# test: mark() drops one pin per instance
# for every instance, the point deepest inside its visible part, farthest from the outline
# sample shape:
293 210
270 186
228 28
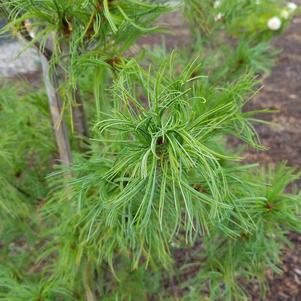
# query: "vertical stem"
87 281
79 120
78 113
55 105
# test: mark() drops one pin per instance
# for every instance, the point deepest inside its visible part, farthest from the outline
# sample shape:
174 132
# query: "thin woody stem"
79 120
78 113
46 52
55 105
54 100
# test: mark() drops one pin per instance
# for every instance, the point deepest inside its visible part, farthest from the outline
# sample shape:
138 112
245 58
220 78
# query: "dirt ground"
282 92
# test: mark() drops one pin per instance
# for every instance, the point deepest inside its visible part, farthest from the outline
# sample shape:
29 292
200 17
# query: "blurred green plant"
237 35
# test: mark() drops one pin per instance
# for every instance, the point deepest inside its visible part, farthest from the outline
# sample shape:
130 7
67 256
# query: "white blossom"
217 3
218 16
292 6
274 23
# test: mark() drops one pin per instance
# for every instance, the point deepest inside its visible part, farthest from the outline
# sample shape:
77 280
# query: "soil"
281 92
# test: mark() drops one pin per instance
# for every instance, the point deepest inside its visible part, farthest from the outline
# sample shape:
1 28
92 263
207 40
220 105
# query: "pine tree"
149 170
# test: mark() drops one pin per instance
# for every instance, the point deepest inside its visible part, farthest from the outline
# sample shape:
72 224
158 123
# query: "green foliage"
85 34
235 37
25 144
27 150
243 19
25 158
226 261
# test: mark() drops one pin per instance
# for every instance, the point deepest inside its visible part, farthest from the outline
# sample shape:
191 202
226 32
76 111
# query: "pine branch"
46 52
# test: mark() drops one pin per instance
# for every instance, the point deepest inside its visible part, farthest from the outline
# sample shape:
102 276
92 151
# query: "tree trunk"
58 123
